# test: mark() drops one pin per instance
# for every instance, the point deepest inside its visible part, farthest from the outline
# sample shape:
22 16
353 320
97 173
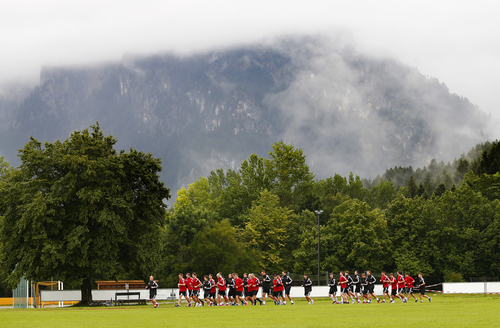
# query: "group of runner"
362 287
235 291
243 290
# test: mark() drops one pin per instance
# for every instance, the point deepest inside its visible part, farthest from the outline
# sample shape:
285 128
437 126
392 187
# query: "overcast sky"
455 41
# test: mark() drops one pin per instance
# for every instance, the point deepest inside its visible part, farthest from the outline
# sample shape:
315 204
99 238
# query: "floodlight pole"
318 213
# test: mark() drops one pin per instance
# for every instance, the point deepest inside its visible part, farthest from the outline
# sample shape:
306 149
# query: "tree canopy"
77 209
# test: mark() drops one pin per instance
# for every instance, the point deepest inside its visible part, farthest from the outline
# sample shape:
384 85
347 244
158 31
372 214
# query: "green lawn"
443 311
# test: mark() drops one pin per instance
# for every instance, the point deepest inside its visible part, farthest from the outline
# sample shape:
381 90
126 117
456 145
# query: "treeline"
262 217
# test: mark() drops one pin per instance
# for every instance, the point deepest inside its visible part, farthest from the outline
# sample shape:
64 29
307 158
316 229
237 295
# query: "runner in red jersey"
213 290
385 285
196 284
394 287
189 288
401 287
255 285
409 287
238 284
343 287
221 284
182 290
278 290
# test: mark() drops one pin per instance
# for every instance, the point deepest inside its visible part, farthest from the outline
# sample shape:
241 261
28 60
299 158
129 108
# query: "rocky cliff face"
200 112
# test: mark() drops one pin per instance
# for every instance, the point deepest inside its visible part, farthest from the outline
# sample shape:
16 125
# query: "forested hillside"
348 111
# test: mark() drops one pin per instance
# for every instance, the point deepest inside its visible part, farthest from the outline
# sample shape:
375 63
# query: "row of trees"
78 210
266 209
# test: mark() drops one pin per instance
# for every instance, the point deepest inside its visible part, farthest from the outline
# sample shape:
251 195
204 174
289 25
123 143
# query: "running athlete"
401 286
371 286
385 285
307 284
196 283
206 290
357 285
343 287
182 290
266 287
189 286
152 286
239 286
287 283
213 289
332 293
245 286
364 288
232 289
394 287
249 295
409 287
277 293
255 284
221 295
421 288
350 285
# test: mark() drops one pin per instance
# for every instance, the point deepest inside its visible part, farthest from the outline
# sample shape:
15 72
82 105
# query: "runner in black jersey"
266 287
356 286
207 286
332 293
421 288
152 286
371 286
307 284
350 286
287 283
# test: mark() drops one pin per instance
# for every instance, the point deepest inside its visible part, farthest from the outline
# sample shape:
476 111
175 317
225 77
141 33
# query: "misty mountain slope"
347 111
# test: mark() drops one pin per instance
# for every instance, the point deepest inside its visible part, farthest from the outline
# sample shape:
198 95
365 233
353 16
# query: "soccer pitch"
443 311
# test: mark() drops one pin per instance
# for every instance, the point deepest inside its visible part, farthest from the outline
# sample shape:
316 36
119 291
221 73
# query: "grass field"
443 311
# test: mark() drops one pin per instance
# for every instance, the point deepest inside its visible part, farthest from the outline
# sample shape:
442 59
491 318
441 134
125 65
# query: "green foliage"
265 230
453 277
216 248
76 208
489 162
355 237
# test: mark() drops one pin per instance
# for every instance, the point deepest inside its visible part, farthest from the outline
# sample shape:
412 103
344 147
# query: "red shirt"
189 283
255 284
385 282
277 285
250 283
196 283
182 285
343 282
409 281
401 281
212 283
222 284
394 282
239 284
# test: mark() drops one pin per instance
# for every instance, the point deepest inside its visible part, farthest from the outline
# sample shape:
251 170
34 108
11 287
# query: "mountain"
348 111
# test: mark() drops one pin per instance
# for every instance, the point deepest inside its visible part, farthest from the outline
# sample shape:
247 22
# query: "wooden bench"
121 301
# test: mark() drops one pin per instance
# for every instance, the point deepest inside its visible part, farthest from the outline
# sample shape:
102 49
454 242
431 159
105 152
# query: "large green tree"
265 230
77 208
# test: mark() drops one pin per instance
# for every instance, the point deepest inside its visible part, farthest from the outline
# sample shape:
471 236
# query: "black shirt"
371 280
266 281
421 282
307 283
230 283
152 286
333 283
207 285
286 280
357 281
